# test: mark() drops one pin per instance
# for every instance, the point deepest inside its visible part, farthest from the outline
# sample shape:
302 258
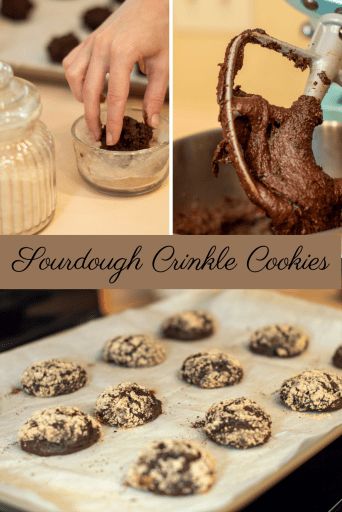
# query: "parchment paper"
23 43
91 480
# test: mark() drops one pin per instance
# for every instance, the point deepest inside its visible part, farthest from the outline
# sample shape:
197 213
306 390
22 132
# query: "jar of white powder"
27 160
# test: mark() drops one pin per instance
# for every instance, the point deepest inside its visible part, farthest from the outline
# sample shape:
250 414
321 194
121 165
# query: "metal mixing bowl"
194 184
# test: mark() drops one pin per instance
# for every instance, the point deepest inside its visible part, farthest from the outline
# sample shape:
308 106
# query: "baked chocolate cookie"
279 340
211 370
189 326
17 10
337 357
134 136
58 431
53 377
173 468
136 351
59 47
313 390
239 423
127 405
94 17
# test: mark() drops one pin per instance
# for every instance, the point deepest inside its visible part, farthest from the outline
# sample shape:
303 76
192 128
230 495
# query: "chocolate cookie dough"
173 468
313 390
239 423
279 340
127 405
53 377
59 47
134 136
283 176
58 431
93 18
211 370
188 326
337 357
230 217
136 351
17 10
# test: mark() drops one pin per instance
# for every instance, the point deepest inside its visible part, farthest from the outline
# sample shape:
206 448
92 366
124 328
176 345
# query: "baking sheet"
23 43
92 479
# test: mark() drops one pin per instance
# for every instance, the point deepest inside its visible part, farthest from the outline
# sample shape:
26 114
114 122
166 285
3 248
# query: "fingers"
118 91
155 92
75 68
92 92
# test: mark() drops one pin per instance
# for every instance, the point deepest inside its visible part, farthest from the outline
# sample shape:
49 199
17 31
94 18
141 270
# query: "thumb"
158 76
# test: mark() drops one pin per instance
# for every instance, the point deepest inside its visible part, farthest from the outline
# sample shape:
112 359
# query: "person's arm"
138 32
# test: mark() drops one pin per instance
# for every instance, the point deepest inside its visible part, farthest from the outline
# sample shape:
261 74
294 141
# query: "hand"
135 33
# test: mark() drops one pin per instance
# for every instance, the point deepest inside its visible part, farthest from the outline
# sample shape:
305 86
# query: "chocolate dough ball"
211 370
279 341
239 423
127 405
94 17
188 326
173 468
337 357
59 47
134 136
58 431
313 390
53 377
137 351
16 9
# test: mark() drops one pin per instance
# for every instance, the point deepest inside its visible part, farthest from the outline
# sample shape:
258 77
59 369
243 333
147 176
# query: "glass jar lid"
19 100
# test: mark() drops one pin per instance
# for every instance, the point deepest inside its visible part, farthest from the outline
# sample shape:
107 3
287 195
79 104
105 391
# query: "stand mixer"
319 10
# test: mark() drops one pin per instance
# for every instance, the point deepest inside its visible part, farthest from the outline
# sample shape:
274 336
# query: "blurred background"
202 31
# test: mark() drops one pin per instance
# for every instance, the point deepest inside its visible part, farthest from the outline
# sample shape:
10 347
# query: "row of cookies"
240 423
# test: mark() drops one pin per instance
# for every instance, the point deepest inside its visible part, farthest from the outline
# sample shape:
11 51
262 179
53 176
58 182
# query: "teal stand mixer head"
315 9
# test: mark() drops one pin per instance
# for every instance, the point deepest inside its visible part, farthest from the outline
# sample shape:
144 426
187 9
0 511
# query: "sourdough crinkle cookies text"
173 468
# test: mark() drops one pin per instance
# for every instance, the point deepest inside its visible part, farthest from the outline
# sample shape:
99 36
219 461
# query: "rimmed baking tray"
93 478
23 43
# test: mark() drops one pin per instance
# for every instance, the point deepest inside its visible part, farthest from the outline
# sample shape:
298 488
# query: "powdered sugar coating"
53 377
58 430
313 390
173 468
279 340
188 326
239 423
137 351
127 405
211 370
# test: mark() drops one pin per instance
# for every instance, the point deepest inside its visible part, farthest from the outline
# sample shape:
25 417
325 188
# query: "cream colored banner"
170 262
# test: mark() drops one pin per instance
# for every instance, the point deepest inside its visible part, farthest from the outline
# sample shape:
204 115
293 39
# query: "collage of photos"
174 118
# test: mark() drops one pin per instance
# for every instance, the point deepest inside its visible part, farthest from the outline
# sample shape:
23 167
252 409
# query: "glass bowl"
123 173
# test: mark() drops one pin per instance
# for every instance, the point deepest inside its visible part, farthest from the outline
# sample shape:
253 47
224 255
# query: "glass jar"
27 159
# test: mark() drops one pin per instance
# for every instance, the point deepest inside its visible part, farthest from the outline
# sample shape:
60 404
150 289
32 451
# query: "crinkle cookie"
211 370
337 357
173 468
239 423
279 341
188 326
137 351
58 431
313 390
53 377
127 405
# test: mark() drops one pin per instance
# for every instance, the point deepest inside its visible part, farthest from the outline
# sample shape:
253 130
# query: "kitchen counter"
81 209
